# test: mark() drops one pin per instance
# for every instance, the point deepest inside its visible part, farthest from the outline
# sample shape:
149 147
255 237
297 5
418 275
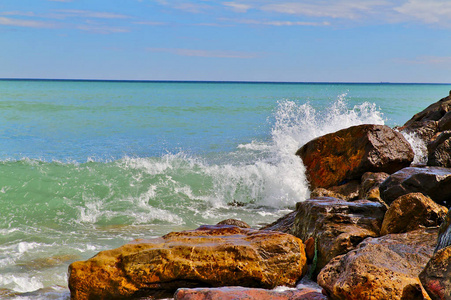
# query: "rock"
434 182
322 192
410 212
350 190
370 183
234 222
241 293
439 151
336 225
209 256
436 276
444 233
283 224
427 122
445 122
380 268
336 158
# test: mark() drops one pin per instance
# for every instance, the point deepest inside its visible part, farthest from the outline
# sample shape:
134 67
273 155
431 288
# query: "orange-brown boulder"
381 268
410 212
436 276
345 155
209 256
241 293
337 226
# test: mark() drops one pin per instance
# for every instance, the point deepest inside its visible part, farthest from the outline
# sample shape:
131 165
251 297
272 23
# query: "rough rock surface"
370 183
234 222
439 151
444 233
336 158
436 276
240 293
336 225
381 268
428 122
209 256
283 224
434 182
410 212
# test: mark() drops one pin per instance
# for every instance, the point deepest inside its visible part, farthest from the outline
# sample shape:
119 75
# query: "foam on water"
418 146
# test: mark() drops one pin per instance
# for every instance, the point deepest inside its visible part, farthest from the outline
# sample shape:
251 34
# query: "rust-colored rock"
208 256
241 293
436 276
336 225
350 190
234 222
434 182
440 150
410 212
444 233
370 185
322 192
381 268
336 158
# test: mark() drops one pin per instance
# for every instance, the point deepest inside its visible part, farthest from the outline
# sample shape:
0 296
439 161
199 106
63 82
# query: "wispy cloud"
102 29
238 7
25 23
205 53
431 11
346 9
64 13
150 23
276 22
185 6
60 0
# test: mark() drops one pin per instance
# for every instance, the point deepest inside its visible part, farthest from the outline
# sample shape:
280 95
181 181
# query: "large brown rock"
283 224
410 212
336 225
209 256
440 150
444 233
436 276
434 182
241 293
345 155
381 268
428 122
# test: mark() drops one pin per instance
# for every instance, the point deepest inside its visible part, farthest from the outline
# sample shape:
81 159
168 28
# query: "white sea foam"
20 283
419 148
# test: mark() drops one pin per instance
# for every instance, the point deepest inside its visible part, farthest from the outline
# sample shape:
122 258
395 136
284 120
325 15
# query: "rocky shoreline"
375 227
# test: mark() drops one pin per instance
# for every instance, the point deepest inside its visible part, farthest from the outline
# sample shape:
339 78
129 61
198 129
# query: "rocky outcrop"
240 293
234 222
436 276
434 182
381 268
336 225
283 224
444 233
410 212
370 183
430 121
336 158
210 256
439 150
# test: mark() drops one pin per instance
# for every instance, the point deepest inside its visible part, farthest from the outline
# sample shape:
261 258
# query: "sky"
248 40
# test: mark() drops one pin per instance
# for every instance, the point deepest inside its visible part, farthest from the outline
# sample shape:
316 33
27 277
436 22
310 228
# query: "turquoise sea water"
87 166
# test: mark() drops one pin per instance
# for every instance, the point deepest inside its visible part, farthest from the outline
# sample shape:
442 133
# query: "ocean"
87 166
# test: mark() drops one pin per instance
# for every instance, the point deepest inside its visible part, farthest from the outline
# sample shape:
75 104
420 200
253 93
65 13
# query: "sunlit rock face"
209 256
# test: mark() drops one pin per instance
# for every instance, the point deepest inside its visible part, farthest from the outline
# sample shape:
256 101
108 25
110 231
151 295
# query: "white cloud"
238 7
185 5
205 53
89 14
277 22
102 29
25 23
431 11
346 9
150 23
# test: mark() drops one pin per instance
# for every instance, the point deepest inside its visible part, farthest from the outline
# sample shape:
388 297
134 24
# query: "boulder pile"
375 227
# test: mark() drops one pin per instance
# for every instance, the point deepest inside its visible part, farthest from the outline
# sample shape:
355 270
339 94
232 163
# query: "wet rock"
345 155
369 188
436 276
241 293
283 224
434 182
429 121
410 212
336 225
444 234
440 151
349 190
380 268
234 222
209 256
322 192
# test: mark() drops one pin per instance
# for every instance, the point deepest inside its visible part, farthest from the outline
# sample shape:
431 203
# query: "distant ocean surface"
87 166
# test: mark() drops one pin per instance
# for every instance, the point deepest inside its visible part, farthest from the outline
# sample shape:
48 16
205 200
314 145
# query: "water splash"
418 146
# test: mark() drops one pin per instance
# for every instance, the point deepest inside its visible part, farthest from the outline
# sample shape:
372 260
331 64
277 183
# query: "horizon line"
218 81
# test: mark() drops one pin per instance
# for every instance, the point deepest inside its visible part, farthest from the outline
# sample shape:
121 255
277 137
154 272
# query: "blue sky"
249 40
